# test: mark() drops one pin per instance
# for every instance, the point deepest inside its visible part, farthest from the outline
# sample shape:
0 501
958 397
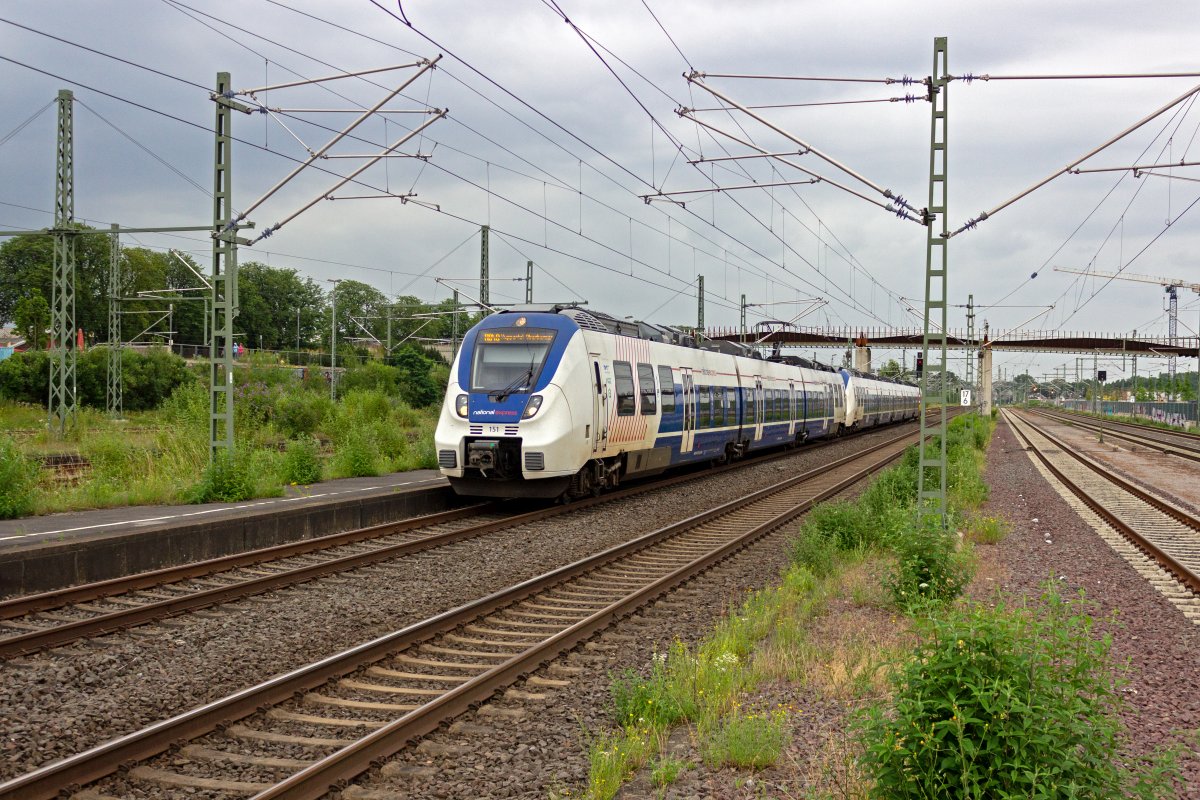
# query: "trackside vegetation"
289 432
954 699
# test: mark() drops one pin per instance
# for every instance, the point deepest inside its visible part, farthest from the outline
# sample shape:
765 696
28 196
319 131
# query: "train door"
689 413
600 395
791 407
758 409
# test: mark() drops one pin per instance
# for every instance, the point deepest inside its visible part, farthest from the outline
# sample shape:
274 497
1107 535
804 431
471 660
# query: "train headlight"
531 408
461 405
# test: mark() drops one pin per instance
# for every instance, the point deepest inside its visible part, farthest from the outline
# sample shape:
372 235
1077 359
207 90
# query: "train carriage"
552 401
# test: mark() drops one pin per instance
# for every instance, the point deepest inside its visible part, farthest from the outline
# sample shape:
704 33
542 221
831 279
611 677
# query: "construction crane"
1172 286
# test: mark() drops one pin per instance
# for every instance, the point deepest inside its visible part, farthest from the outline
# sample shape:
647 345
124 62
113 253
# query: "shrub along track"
35 622
405 684
1166 533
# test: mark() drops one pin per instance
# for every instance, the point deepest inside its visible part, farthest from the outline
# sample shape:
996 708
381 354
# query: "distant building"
10 342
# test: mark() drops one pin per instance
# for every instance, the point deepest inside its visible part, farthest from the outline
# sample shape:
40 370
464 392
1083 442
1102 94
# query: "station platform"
48 552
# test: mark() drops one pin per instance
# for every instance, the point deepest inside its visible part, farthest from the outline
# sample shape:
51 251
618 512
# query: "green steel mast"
931 474
62 293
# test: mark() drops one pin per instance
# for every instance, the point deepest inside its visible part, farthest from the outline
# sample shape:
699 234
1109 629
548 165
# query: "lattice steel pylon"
931 474
115 388
62 292
224 274
971 346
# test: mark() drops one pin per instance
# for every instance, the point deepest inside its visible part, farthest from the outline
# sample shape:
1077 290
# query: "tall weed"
18 480
1007 703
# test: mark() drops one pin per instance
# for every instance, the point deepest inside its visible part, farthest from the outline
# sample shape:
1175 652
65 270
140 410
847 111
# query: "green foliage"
647 702
301 463
271 300
373 376
354 456
301 412
929 568
987 530
228 479
613 758
31 317
1006 703
666 770
753 740
188 406
18 481
25 378
149 377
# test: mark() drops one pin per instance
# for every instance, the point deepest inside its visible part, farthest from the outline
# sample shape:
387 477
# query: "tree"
32 318
890 370
27 265
356 300
270 300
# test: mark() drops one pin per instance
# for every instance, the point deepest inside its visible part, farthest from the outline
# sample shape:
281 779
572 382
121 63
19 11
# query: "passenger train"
561 402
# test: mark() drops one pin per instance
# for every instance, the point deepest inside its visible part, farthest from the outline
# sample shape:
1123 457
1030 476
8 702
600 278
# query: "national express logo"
493 412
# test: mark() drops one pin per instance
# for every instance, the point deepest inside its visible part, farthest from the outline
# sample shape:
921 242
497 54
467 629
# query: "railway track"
299 734
50 619
1162 531
1178 443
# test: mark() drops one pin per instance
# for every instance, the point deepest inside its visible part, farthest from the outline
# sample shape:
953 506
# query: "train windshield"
508 360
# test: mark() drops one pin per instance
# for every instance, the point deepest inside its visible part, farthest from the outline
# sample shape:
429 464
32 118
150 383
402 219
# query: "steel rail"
1179 443
104 759
32 641
1181 571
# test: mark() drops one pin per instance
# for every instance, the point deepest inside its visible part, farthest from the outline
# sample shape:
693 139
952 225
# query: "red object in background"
79 339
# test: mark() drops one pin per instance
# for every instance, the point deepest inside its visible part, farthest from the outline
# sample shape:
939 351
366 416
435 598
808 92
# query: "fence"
1172 413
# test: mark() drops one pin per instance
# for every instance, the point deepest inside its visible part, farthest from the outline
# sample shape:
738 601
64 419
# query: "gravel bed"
543 754
57 703
1160 644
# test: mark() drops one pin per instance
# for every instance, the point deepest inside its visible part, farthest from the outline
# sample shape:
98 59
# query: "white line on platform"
150 520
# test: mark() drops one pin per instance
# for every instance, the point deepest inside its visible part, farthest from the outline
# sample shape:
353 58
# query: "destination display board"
516 336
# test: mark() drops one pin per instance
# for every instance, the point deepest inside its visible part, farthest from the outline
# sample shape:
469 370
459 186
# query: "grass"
858 555
162 456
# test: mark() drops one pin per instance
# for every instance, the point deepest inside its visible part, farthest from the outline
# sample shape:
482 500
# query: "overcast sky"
553 138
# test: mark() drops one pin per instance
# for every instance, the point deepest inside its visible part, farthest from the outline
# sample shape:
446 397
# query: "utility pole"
529 282
454 329
224 273
971 344
931 470
700 306
114 394
484 279
333 340
743 319
62 293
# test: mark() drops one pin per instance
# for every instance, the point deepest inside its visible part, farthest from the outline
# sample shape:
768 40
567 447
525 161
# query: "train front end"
506 427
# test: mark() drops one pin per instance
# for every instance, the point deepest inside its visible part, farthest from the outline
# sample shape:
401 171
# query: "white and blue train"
558 401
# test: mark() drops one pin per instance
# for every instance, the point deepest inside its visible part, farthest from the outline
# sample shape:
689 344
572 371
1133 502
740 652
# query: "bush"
355 456
188 406
301 464
1006 703
228 479
148 377
18 481
301 413
372 376
929 568
25 378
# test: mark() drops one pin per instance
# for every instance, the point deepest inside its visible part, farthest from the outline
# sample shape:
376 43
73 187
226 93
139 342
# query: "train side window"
718 407
704 417
626 402
646 384
666 386
732 401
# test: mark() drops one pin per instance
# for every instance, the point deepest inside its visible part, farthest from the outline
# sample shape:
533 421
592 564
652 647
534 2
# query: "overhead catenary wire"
970 224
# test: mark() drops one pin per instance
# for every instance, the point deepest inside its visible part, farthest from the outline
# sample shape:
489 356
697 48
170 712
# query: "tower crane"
1172 286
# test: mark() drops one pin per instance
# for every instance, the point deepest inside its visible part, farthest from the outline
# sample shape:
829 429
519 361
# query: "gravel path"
65 700
542 753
